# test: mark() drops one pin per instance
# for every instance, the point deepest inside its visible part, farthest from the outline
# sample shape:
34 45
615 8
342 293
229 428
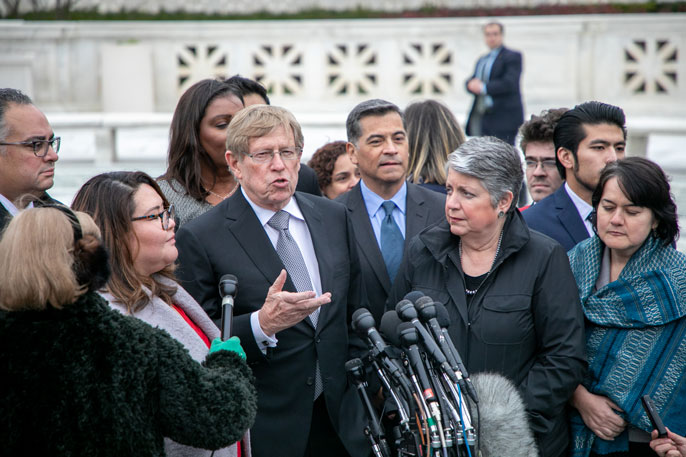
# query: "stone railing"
110 87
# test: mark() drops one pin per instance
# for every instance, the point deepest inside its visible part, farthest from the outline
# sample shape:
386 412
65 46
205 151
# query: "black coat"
525 321
89 381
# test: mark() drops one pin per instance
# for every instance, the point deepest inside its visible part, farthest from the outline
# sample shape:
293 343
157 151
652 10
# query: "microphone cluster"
423 378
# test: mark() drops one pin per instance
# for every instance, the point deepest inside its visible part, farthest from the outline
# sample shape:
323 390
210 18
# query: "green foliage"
66 12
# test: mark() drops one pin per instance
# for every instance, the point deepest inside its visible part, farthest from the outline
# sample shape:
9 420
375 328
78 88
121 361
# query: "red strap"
200 333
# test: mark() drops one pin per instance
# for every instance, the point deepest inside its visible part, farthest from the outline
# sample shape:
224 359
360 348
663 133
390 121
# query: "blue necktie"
392 241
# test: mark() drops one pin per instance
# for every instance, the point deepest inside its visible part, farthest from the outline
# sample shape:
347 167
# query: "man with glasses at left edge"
28 152
298 284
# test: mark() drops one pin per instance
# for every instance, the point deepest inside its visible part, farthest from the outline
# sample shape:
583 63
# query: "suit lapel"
315 225
246 228
366 238
569 216
416 214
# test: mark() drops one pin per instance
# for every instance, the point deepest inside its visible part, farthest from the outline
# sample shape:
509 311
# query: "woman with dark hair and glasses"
137 225
197 176
632 286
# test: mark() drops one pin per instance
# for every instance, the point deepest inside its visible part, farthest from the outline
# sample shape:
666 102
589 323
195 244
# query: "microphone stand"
373 430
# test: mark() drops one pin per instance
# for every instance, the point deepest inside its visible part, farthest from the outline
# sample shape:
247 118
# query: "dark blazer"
507 113
5 215
307 181
230 239
424 207
557 217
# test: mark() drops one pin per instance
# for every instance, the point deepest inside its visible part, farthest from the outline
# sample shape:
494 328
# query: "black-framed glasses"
164 217
268 155
547 164
40 147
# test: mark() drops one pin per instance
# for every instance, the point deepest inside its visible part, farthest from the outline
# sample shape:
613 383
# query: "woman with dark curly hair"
82 379
632 285
335 171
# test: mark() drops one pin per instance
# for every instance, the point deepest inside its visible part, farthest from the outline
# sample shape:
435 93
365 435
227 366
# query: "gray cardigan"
159 314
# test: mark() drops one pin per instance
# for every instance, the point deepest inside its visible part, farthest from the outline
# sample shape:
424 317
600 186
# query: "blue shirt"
376 212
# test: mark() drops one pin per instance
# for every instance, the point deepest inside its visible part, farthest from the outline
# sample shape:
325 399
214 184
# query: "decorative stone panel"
279 68
651 66
198 61
427 69
351 69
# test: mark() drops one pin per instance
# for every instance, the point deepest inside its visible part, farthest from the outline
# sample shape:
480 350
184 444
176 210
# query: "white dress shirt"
377 214
583 208
301 234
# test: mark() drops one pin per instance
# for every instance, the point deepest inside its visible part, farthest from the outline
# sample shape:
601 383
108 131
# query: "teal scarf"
635 338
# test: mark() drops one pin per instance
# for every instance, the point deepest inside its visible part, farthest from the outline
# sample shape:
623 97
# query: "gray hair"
373 107
493 162
8 96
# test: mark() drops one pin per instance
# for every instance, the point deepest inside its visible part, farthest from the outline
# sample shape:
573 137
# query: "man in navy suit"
377 144
497 109
298 284
586 138
28 152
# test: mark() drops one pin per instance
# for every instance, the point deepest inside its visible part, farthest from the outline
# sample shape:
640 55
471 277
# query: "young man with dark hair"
586 138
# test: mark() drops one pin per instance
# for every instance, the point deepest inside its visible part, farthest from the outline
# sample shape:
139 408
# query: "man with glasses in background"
542 176
28 152
298 284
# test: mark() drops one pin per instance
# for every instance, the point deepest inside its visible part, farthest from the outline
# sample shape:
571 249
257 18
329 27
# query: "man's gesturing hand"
283 309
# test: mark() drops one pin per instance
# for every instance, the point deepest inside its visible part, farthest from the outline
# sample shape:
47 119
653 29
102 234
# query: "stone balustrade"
109 87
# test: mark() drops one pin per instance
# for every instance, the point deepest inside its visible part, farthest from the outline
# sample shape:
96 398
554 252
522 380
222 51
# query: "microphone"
228 287
443 321
408 313
363 323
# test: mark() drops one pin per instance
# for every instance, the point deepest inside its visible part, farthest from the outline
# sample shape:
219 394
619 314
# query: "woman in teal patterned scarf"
632 285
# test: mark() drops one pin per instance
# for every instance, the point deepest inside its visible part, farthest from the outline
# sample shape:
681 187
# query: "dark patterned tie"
293 260
392 241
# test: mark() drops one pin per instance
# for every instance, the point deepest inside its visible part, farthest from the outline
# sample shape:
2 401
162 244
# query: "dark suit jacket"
5 215
230 239
557 217
424 207
307 181
507 113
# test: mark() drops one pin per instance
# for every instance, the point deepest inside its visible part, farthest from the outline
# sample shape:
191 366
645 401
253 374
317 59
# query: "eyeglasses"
547 164
267 156
164 217
40 147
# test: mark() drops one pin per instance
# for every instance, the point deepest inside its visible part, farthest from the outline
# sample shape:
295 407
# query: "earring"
500 214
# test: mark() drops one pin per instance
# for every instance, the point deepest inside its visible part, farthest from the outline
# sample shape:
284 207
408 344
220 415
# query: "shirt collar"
373 202
10 207
264 214
582 207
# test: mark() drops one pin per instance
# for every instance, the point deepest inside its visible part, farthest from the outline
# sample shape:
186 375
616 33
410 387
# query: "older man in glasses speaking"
298 283
28 152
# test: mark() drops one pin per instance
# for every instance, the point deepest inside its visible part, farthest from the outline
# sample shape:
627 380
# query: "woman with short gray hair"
509 291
